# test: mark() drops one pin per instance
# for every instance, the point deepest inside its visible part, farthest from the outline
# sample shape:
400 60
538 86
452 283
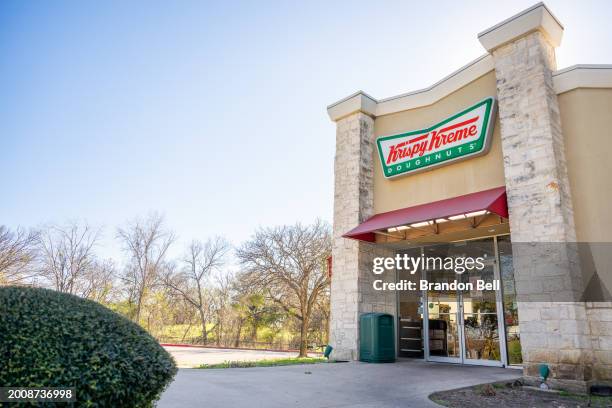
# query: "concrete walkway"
404 384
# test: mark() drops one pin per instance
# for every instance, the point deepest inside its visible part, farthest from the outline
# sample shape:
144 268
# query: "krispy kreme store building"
505 162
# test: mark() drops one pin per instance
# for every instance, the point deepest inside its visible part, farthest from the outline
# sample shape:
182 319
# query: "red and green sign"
461 136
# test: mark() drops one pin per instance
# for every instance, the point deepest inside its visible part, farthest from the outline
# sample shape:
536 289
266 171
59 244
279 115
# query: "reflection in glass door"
443 321
464 326
480 319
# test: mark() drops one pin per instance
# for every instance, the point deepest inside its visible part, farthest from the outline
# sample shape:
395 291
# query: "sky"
214 113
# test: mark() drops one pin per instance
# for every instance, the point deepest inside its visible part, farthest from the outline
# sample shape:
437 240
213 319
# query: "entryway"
465 326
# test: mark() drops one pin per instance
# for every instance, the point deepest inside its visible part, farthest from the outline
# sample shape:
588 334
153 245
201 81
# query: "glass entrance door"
480 320
443 321
464 326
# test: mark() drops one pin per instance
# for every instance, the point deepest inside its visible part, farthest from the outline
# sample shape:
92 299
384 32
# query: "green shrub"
52 339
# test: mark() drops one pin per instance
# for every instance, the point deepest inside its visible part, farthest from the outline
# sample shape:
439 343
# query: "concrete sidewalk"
407 383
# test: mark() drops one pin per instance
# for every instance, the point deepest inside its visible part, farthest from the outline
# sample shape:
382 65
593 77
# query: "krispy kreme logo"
461 136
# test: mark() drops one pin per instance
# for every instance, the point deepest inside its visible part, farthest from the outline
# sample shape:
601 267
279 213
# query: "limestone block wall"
554 328
599 315
371 300
351 287
353 202
532 142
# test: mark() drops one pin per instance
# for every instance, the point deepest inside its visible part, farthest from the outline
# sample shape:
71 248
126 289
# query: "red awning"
493 200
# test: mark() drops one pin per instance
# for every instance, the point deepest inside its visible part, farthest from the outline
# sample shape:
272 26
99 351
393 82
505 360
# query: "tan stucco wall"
453 180
586 118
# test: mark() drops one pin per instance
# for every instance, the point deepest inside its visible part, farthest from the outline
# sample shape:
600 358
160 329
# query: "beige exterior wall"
587 130
586 117
468 176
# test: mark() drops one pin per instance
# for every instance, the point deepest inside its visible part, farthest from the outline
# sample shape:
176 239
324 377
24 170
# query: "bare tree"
17 252
223 293
289 264
191 282
146 242
66 254
98 281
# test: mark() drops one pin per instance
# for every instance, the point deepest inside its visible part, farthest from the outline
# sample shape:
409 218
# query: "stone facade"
599 315
532 142
351 288
553 323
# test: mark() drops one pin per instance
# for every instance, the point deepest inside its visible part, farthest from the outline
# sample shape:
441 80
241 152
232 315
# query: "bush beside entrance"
52 339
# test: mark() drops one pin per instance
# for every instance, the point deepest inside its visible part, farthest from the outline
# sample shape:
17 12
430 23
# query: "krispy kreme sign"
459 137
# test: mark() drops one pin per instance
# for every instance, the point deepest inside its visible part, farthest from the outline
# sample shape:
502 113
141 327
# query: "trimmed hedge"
52 339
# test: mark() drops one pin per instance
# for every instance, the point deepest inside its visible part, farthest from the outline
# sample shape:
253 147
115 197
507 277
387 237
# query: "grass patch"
266 363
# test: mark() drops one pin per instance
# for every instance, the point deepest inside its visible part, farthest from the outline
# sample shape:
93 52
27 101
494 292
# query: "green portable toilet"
376 338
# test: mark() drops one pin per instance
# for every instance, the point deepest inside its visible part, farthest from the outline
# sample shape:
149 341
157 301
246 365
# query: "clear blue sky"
214 113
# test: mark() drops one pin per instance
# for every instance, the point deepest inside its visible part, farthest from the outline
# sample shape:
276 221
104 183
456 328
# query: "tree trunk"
304 337
138 308
186 331
238 334
141 295
204 332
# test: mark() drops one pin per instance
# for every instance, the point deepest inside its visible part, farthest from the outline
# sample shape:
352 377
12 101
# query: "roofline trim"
564 80
582 76
361 101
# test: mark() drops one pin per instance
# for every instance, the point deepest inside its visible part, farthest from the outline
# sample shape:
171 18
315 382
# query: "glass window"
511 318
